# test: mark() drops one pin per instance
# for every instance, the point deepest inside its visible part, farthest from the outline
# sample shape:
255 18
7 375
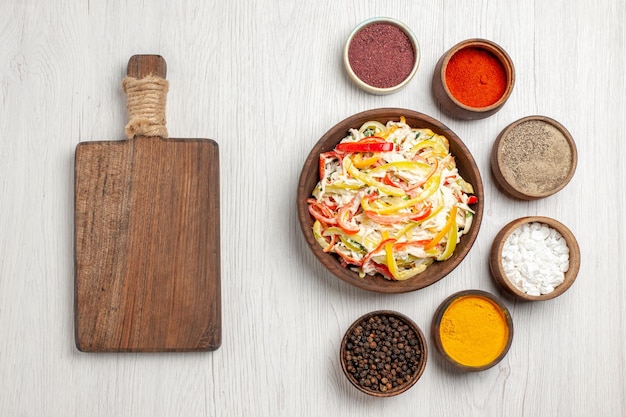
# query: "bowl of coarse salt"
535 258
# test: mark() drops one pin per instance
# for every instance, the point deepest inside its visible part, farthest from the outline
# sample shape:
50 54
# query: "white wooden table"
265 80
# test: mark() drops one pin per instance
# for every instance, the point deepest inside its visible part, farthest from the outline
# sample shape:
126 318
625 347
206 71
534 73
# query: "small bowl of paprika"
473 79
381 55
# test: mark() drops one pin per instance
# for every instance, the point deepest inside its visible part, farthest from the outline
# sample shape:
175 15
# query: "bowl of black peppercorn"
383 353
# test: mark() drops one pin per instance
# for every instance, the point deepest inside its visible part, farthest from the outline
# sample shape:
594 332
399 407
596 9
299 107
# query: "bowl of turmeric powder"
473 79
472 330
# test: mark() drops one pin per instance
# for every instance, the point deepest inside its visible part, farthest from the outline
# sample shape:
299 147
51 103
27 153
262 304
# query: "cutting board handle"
146 92
141 66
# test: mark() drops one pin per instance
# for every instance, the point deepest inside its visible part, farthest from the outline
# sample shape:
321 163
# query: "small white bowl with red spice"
381 55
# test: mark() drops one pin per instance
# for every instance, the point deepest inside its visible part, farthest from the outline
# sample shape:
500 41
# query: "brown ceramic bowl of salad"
390 200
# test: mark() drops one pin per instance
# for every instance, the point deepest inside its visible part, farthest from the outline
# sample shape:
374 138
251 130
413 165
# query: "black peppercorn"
383 353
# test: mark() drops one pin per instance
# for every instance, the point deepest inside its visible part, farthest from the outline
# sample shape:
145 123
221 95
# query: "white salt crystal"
535 258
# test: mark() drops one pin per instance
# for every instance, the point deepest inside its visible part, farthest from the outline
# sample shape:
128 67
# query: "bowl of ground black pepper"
383 353
533 157
381 55
473 79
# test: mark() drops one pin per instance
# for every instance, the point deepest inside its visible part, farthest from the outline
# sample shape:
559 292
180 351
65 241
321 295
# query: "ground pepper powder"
536 157
476 77
473 331
381 55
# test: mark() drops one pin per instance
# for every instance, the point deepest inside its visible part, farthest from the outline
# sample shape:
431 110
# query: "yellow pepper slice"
444 231
402 165
366 242
374 125
385 133
317 233
453 234
361 162
410 273
413 223
338 187
349 167
391 261
429 189
437 147
392 265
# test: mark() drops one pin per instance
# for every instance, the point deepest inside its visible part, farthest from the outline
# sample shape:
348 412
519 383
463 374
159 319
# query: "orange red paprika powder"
475 77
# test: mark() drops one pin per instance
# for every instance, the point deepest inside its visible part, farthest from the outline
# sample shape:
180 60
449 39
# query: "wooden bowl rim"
370 88
436 326
496 154
499 53
377 283
420 335
495 258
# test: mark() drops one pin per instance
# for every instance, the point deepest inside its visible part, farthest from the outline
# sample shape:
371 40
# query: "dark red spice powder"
381 55
476 77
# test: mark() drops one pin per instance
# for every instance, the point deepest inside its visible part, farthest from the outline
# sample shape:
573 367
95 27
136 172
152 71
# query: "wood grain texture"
147 241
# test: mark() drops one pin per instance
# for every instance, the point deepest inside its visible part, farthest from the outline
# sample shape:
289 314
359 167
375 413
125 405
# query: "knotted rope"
145 102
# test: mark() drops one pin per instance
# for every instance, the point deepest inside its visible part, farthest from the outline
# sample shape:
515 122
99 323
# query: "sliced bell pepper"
404 245
365 242
347 258
444 231
385 133
369 144
402 165
437 147
399 218
346 213
410 273
429 189
351 244
381 246
322 213
472 199
382 270
324 156
326 245
390 259
349 167
452 237
371 128
362 162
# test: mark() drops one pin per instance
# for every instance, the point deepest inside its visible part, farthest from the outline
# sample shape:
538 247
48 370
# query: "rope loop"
145 102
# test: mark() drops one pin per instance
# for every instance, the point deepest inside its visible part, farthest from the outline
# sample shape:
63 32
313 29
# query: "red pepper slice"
369 144
346 213
390 219
323 157
333 240
383 270
404 245
348 259
380 246
472 199
322 212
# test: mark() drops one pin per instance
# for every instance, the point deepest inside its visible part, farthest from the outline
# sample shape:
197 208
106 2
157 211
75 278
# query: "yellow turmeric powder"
473 331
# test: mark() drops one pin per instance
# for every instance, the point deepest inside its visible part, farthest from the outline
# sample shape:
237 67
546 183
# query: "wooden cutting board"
147 238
